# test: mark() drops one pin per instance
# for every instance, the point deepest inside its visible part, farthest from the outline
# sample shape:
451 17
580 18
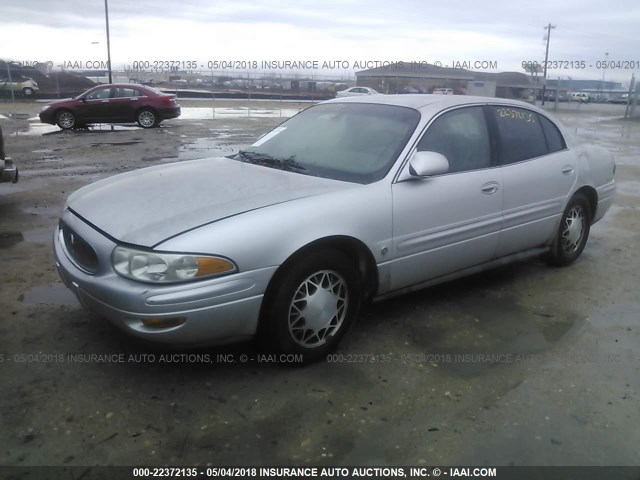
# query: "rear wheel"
573 232
147 118
312 305
65 119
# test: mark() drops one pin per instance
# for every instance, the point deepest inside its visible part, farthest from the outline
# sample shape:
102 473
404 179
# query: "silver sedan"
351 200
356 91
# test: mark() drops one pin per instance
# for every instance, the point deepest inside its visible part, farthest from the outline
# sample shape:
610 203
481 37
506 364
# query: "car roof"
420 101
120 85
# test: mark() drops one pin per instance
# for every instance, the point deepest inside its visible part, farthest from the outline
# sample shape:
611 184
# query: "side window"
101 93
520 133
555 141
125 92
461 136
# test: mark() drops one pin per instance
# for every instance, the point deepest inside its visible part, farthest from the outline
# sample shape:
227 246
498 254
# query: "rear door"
448 222
124 103
538 173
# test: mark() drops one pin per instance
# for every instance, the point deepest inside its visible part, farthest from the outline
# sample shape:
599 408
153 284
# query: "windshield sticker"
269 136
516 114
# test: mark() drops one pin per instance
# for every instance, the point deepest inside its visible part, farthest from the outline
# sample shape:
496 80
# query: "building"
407 77
597 89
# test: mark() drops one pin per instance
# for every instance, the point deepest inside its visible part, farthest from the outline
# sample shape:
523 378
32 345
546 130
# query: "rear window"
555 141
520 134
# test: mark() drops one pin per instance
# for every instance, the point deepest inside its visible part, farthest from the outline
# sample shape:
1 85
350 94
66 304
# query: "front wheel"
27 92
573 232
147 118
312 305
65 120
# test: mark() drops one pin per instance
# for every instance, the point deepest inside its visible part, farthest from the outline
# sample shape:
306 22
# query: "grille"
79 249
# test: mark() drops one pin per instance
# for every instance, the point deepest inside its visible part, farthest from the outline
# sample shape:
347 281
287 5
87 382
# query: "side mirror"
83 99
427 164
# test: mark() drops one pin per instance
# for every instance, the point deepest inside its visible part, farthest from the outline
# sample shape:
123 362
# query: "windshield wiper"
267 160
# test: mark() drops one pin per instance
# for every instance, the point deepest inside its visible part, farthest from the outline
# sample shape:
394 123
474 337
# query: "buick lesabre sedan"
350 200
112 103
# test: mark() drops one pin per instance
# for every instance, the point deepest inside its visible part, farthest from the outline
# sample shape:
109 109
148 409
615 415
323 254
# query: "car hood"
147 206
62 101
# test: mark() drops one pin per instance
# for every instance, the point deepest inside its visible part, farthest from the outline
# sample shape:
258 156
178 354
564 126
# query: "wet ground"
524 365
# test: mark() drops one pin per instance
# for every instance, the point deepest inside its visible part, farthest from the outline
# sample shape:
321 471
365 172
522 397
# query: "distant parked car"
443 91
581 97
410 90
350 200
114 103
19 84
551 97
356 91
8 171
622 99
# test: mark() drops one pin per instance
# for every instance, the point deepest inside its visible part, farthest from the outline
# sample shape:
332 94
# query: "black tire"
27 92
147 118
65 119
573 232
286 326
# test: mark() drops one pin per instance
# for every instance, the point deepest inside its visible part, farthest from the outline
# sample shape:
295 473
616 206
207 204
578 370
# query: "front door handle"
490 188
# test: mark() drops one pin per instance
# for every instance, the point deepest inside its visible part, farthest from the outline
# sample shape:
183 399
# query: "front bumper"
8 171
220 310
46 116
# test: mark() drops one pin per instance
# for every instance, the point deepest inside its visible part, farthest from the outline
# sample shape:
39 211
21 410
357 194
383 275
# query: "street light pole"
106 16
548 28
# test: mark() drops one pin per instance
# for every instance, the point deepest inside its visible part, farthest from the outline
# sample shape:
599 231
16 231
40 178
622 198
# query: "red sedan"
114 103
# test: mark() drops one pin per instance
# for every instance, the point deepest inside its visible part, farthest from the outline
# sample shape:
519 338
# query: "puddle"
67 171
38 235
198 149
50 295
35 235
36 128
203 113
100 144
9 239
628 188
205 147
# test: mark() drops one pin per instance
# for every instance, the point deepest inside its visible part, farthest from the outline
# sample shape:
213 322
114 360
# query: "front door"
451 221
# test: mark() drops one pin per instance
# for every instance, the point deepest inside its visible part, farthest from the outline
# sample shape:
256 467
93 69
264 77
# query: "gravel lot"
524 365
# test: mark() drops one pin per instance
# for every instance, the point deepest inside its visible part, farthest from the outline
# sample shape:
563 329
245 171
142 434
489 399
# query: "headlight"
47 107
147 266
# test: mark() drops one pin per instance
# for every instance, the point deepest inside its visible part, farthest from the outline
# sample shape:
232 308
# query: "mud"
524 365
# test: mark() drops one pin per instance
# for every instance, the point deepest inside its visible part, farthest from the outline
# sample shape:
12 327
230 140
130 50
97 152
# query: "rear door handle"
490 188
568 169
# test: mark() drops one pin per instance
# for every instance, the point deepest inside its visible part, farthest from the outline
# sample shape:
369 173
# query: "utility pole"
548 28
106 16
604 71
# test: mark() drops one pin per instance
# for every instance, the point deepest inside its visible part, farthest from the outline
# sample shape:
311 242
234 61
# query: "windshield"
355 142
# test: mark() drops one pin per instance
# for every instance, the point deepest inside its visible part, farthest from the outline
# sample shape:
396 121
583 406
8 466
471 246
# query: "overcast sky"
504 31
